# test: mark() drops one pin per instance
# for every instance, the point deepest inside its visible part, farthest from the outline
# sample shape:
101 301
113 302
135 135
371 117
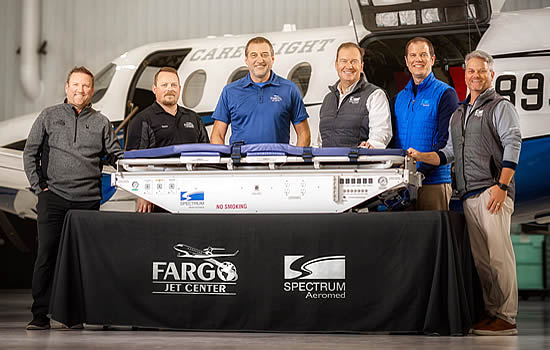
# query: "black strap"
236 151
353 154
307 154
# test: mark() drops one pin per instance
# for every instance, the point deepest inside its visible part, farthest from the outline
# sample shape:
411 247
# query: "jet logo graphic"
192 196
185 251
226 270
326 268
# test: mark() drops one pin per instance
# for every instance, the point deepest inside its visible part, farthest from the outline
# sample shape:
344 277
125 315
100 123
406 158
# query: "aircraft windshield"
102 80
379 15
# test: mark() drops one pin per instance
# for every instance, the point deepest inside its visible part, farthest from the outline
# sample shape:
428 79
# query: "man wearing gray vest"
354 112
485 142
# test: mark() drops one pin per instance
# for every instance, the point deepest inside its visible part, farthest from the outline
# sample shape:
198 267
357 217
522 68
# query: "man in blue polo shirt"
260 106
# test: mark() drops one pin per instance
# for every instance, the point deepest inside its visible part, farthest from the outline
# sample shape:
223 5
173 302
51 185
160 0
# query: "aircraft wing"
16 198
12 173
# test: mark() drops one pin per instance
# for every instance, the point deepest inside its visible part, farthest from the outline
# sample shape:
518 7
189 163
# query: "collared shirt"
154 127
261 114
380 130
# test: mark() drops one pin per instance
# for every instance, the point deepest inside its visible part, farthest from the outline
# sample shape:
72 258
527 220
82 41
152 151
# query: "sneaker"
496 327
39 323
480 324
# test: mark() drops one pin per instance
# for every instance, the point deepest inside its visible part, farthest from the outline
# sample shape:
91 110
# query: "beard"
169 100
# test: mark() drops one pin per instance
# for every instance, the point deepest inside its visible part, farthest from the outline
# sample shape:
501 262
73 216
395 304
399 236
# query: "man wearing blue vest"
485 143
421 118
261 106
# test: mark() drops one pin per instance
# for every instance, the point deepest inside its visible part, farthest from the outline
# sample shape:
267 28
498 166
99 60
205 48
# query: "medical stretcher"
264 178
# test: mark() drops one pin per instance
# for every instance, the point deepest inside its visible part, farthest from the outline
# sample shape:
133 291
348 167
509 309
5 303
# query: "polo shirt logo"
425 103
354 100
276 98
188 125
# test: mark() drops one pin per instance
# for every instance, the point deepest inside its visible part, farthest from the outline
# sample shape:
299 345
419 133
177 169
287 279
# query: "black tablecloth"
376 272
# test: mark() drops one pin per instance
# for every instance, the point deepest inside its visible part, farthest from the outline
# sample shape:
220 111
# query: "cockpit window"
394 15
193 88
300 76
102 80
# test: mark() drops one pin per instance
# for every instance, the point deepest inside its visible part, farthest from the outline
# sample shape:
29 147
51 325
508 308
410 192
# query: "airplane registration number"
532 88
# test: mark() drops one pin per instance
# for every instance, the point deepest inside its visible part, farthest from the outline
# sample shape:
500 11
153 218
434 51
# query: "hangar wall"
92 33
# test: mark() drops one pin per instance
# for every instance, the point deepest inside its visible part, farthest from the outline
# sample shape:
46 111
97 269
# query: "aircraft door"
140 94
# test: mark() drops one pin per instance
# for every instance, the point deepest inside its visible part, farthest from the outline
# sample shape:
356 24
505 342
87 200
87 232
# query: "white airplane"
518 41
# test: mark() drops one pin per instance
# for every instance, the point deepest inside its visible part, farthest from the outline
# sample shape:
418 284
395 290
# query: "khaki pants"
434 197
493 255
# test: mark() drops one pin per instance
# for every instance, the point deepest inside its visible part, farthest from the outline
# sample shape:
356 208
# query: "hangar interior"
92 33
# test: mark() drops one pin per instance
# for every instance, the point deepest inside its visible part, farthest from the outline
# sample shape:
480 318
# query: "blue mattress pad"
259 149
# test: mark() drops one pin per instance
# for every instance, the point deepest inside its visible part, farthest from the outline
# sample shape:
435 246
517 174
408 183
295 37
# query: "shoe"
480 324
39 323
496 327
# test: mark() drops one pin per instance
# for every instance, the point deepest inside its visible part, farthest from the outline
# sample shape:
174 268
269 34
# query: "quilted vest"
417 120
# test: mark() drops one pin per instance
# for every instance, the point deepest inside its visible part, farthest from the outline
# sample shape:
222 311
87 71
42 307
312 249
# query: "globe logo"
227 272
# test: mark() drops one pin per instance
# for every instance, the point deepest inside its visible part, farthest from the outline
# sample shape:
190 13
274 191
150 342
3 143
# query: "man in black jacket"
164 123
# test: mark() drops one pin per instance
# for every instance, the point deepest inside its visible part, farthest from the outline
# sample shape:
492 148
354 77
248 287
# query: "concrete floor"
533 324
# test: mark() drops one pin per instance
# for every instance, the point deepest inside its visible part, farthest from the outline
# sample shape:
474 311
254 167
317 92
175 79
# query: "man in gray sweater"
485 143
63 157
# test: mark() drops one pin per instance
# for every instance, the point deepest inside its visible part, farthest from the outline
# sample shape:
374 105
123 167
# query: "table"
399 272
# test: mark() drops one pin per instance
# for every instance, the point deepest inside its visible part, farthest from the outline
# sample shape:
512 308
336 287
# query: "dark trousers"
51 214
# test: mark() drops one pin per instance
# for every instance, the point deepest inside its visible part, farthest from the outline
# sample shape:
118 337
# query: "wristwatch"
502 186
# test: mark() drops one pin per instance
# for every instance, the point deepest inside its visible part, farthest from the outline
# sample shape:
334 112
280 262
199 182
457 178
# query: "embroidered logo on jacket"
354 100
425 103
188 125
478 113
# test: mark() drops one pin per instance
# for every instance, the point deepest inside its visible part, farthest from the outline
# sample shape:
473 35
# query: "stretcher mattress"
263 149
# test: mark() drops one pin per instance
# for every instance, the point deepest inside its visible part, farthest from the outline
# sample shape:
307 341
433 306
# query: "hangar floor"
533 322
